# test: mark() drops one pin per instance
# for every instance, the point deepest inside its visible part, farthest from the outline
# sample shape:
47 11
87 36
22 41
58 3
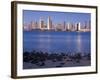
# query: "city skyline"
57 17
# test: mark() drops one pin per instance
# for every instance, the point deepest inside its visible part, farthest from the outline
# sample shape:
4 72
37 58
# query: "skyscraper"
36 25
41 23
78 26
49 23
32 25
64 26
68 26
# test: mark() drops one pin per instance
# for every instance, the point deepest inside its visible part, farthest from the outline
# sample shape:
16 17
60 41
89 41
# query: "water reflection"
79 42
68 43
44 42
57 41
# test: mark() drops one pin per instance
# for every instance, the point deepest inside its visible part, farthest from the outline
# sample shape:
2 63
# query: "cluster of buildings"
41 25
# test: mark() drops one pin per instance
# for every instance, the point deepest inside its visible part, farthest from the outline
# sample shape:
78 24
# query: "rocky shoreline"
39 59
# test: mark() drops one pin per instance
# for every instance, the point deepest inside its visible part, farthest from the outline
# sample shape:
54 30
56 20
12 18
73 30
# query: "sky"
56 17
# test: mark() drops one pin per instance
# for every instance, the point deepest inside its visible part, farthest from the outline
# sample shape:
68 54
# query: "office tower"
29 27
41 23
64 26
59 27
45 25
72 27
36 25
53 27
68 26
49 23
78 26
32 25
88 26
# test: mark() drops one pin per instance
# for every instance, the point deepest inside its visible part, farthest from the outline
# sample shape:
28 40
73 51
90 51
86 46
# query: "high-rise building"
85 27
49 23
64 26
59 27
78 26
68 26
34 25
72 26
29 26
41 23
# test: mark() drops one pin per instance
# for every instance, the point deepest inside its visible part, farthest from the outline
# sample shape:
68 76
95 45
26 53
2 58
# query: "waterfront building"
59 27
78 26
27 27
41 23
72 27
87 26
34 25
68 27
64 26
49 23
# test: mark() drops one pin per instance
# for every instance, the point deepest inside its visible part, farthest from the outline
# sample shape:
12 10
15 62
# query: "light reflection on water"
57 41
79 43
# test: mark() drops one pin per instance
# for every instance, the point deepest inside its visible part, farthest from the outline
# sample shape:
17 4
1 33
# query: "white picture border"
48 71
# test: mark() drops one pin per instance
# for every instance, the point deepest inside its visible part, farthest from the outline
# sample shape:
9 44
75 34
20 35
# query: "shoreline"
39 59
55 30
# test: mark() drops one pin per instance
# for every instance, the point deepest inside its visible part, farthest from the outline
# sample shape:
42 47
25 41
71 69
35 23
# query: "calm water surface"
50 41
